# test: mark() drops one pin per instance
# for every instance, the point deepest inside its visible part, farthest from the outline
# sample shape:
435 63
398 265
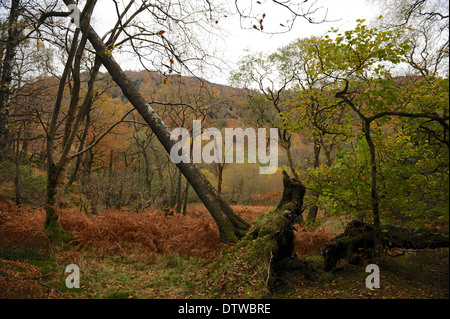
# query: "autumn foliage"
309 242
20 280
112 232
21 229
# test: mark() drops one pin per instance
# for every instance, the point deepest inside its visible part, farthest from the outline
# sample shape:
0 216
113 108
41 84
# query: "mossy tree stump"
254 266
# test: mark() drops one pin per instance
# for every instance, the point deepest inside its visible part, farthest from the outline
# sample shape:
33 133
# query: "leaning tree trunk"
360 237
231 226
255 266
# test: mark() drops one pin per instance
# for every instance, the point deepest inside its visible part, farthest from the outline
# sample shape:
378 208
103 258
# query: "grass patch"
141 277
120 295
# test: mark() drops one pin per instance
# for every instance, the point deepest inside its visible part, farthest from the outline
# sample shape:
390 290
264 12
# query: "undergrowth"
132 255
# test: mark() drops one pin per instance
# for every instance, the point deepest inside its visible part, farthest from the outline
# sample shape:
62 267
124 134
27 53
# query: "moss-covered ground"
142 276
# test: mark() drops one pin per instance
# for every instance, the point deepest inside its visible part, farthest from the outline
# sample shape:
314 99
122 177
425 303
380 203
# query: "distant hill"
227 102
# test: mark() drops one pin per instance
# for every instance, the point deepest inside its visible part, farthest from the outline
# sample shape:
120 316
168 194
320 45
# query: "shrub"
309 242
32 186
21 229
20 280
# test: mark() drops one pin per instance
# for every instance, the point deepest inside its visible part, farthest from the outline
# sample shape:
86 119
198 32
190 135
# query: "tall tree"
7 55
358 64
231 226
177 16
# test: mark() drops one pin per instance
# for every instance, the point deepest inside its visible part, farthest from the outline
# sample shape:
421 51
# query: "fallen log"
358 237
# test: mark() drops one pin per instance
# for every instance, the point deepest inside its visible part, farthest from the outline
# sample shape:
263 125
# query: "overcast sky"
239 41
342 14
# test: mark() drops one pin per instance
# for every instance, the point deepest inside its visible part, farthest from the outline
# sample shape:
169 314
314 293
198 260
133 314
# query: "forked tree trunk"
231 226
57 169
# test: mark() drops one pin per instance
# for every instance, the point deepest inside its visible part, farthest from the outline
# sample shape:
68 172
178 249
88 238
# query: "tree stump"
255 266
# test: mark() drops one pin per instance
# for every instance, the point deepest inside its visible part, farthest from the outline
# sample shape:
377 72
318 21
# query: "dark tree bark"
80 148
186 194
312 213
17 171
179 190
360 237
280 225
6 75
220 167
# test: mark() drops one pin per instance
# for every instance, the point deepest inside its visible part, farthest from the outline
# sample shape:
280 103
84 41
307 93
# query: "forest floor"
137 267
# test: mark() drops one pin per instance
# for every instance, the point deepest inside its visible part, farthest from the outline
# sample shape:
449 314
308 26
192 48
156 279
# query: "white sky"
344 13
232 47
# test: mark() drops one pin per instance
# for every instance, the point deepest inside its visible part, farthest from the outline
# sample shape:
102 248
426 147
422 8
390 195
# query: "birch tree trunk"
6 67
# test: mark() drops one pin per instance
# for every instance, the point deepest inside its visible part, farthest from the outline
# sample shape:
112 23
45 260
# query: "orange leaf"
258 2
161 32
166 81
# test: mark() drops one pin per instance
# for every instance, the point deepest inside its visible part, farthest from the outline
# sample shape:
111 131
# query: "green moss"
227 235
25 254
246 270
326 278
268 224
316 261
57 236
242 271
347 243
120 295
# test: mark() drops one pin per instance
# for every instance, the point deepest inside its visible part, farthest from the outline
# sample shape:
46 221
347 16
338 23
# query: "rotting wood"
358 237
